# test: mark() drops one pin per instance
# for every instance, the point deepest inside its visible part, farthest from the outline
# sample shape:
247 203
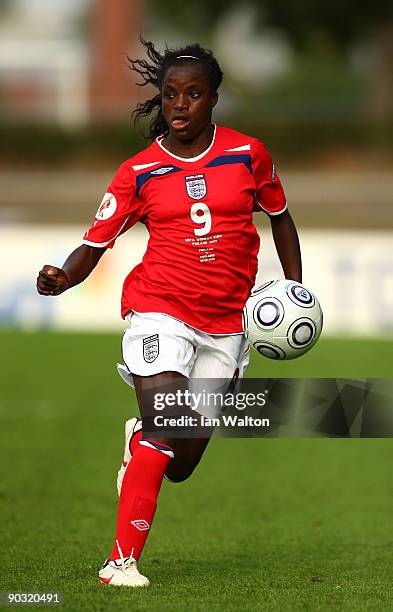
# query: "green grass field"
264 524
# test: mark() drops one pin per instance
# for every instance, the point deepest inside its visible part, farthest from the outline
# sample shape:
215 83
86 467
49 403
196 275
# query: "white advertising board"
350 272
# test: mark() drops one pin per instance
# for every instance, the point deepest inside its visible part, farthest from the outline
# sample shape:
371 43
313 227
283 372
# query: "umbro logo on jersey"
162 170
151 348
196 186
141 524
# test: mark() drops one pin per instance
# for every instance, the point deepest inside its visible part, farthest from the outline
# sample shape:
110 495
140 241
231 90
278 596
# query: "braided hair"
153 71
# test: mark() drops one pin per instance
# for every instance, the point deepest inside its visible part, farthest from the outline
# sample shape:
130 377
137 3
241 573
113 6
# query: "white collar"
188 159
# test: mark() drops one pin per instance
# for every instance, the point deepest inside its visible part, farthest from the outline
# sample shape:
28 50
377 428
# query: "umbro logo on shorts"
151 348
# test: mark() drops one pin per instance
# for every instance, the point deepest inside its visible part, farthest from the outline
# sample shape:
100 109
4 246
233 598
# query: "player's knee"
179 473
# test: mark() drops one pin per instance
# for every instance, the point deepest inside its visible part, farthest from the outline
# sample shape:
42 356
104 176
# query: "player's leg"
140 488
150 461
188 444
189 452
224 358
220 361
187 457
152 344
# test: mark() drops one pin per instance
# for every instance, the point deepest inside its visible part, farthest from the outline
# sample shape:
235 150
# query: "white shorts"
155 343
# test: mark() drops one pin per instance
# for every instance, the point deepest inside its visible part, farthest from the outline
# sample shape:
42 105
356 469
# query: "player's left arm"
287 244
270 198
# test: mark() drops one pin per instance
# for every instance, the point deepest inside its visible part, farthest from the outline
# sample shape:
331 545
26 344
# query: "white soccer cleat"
122 572
132 427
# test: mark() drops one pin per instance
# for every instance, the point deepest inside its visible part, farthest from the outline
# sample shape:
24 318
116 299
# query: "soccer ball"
282 319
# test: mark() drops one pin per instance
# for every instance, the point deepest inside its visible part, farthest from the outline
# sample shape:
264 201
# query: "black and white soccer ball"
282 319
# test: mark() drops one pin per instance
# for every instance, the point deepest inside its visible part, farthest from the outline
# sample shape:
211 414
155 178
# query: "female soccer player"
195 188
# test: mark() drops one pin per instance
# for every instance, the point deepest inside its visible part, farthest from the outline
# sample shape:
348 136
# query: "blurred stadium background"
314 81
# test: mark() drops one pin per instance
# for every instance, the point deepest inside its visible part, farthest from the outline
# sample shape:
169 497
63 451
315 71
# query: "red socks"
138 497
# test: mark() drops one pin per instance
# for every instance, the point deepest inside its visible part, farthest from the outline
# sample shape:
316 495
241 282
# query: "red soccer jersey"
201 258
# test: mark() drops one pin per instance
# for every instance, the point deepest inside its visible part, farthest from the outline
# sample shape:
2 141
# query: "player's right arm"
117 212
76 268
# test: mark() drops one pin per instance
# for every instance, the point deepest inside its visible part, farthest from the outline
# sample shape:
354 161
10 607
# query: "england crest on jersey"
151 348
196 186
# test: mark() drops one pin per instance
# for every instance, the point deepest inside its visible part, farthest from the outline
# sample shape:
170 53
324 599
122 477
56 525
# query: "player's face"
187 101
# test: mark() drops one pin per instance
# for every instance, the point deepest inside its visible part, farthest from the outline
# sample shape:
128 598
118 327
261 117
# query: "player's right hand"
52 281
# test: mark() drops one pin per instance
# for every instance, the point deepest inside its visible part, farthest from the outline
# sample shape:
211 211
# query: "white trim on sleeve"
96 244
273 214
104 244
